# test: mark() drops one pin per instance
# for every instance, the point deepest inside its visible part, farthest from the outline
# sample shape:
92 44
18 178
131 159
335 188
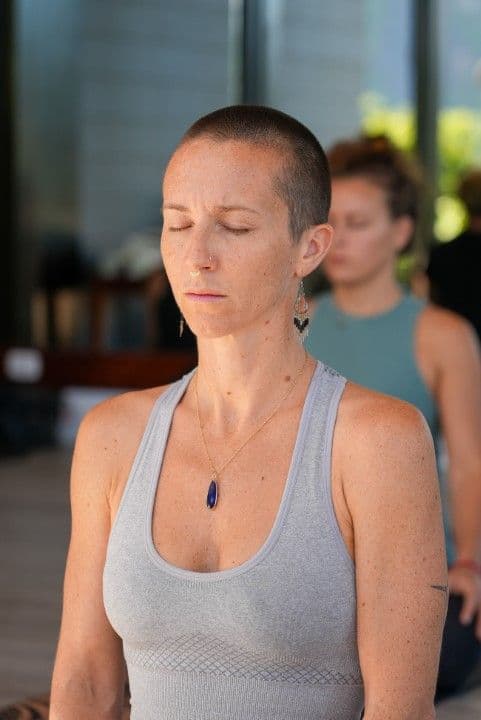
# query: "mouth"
204 295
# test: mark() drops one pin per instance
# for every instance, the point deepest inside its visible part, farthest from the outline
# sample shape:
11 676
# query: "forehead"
357 192
223 173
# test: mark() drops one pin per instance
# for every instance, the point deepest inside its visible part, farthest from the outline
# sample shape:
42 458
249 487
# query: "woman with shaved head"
259 540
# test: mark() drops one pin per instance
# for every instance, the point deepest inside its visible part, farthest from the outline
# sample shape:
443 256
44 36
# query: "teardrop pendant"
211 500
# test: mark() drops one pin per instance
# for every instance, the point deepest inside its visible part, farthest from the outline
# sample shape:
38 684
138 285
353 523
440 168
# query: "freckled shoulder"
110 434
377 438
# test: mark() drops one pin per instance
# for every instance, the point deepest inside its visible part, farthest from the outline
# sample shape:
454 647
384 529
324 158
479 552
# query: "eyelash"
235 231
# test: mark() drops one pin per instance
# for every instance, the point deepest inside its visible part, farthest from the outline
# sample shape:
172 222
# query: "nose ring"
194 273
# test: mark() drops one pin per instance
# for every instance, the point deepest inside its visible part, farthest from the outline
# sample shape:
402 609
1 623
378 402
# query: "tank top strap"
142 474
312 504
324 403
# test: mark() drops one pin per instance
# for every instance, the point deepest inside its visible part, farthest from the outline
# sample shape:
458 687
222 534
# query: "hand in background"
467 583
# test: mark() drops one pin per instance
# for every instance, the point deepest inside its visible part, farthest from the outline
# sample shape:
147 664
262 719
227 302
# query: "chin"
340 277
210 330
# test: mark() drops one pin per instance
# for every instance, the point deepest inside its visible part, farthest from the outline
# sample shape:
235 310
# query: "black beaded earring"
301 313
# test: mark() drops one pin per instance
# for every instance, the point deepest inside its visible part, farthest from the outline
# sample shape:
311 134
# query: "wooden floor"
34 528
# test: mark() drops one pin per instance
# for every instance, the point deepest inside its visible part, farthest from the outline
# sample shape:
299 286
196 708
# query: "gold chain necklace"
213 491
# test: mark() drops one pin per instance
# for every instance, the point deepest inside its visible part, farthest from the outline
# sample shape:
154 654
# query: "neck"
241 377
370 297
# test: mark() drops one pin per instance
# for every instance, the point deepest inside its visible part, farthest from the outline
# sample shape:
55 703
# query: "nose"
200 256
199 264
197 267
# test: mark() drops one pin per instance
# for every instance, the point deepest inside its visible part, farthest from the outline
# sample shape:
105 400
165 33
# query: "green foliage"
379 119
459 143
459 146
450 217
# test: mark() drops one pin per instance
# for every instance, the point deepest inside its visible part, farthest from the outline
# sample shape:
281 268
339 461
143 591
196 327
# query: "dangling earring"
301 313
181 325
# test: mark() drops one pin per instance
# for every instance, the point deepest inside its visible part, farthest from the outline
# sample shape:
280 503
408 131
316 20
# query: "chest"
273 511
185 532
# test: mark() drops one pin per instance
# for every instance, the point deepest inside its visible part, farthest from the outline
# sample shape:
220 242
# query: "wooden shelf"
94 369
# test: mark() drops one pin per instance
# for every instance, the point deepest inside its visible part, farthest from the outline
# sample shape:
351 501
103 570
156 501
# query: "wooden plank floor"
34 529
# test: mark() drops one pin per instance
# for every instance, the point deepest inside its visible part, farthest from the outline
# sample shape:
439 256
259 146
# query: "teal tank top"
378 352
375 351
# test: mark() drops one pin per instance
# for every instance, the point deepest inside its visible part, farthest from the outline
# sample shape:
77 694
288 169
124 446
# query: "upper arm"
454 348
391 487
89 655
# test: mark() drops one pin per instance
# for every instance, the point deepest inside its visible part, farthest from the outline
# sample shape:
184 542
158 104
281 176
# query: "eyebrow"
218 208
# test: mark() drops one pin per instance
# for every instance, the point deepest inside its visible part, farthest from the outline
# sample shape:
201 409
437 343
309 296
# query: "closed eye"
236 231
358 224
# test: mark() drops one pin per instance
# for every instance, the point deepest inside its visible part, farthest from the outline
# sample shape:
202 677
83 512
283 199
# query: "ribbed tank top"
271 639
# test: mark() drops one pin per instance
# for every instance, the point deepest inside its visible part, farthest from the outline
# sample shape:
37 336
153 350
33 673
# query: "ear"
403 232
314 245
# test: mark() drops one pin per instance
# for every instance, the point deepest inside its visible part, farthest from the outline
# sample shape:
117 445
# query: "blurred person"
259 539
376 334
454 267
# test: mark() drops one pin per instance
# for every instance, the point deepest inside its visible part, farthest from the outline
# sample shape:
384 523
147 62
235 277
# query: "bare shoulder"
116 419
383 445
109 436
439 326
121 412
369 415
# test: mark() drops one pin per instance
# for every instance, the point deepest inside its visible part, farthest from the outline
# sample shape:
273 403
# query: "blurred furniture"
62 266
103 291
84 368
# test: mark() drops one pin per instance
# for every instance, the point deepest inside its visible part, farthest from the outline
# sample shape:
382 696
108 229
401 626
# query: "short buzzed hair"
304 181
378 160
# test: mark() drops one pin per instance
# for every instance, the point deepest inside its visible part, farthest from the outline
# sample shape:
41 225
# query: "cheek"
170 254
369 242
171 266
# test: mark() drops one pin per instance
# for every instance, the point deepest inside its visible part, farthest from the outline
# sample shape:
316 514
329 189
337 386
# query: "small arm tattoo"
441 588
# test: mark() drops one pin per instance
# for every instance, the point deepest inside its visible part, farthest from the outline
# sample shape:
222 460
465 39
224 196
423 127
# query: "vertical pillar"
254 46
426 74
7 177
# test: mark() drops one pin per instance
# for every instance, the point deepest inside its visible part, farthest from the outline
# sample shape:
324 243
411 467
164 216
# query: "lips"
206 293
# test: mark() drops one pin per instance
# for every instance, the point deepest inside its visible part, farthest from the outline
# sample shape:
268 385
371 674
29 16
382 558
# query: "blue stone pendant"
211 500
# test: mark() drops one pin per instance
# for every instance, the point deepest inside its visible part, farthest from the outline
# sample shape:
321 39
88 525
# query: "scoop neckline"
274 533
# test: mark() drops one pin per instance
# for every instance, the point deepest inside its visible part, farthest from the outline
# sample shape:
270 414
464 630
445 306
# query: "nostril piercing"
194 273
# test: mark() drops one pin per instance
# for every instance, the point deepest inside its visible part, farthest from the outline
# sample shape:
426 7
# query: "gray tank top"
271 639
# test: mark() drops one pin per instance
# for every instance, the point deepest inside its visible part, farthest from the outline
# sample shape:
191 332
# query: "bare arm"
391 488
459 396
89 676
458 392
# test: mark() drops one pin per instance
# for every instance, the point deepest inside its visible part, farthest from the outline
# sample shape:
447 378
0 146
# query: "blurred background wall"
96 93
101 90
94 96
